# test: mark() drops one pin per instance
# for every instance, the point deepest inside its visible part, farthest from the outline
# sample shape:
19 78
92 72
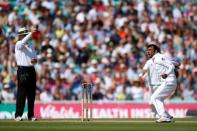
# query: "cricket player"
161 79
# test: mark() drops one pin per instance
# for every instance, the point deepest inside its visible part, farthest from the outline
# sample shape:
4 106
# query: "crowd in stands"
104 39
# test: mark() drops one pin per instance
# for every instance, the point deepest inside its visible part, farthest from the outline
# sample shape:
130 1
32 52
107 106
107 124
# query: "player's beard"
149 55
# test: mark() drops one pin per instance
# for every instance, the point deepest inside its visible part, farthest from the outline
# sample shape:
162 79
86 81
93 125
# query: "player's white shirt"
152 75
158 65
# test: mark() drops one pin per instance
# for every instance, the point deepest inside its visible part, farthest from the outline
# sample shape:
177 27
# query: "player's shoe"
165 120
18 118
171 117
32 119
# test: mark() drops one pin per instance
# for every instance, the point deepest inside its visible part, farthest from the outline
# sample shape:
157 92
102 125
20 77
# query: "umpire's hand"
33 61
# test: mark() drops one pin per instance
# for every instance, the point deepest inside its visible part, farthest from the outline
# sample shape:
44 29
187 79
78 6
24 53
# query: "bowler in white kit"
161 79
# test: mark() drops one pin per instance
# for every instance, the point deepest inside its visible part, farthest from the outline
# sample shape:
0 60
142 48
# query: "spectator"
46 95
97 94
7 94
136 92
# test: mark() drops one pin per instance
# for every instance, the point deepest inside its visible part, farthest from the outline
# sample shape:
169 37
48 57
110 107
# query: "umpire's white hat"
23 31
6 86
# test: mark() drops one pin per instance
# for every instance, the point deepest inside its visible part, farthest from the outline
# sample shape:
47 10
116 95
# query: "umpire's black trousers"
26 77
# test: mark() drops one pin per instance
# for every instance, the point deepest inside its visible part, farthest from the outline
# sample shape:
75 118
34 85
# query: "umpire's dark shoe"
32 119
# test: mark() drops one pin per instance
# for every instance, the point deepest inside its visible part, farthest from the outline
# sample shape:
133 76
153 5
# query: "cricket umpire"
25 58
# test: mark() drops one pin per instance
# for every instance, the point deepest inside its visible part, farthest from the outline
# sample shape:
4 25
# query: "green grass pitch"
186 124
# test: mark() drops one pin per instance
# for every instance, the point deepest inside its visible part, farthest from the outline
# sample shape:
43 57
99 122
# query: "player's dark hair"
155 47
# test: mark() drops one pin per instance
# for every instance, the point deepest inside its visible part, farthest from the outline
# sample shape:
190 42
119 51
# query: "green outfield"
189 124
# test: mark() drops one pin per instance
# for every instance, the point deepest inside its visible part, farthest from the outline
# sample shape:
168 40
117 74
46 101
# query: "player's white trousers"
158 96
